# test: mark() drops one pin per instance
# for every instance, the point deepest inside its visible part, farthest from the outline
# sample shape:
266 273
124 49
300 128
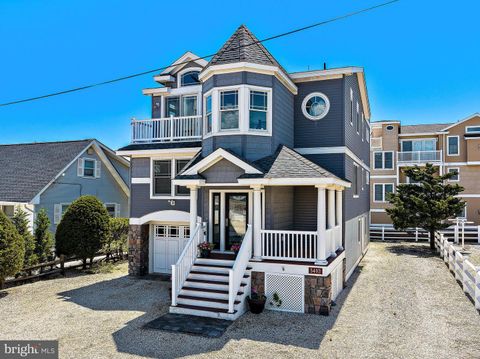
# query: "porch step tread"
221 256
207 309
209 290
216 265
214 274
203 299
210 282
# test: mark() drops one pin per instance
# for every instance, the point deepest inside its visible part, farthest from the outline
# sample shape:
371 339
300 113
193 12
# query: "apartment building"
449 146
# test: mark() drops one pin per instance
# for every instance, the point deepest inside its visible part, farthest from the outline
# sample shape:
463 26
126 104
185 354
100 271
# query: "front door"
229 219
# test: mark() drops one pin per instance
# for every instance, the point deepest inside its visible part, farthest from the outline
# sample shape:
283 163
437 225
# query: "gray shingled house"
241 152
51 175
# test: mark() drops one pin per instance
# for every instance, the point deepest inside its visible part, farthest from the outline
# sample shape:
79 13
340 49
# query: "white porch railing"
419 156
182 268
289 245
170 129
334 239
235 275
464 271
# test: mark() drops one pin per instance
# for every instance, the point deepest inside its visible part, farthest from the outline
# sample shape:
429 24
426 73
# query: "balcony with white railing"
419 157
170 129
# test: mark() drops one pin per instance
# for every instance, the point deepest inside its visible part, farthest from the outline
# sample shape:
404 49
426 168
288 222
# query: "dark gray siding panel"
279 208
223 172
142 204
329 130
354 207
333 162
282 116
140 167
305 208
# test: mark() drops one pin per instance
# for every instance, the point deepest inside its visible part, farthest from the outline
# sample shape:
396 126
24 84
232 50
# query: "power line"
341 17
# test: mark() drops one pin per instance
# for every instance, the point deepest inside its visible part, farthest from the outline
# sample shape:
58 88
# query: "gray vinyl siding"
353 207
352 240
142 205
140 167
69 187
123 171
332 162
328 131
223 172
305 208
279 208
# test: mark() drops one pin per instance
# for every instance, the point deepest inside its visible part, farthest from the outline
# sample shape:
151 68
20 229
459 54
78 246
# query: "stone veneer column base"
318 294
138 241
258 282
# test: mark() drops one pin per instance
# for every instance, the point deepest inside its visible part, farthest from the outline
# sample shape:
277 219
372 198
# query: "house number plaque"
315 270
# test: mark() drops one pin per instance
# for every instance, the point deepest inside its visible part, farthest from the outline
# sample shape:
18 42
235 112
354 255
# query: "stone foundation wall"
318 294
258 282
138 238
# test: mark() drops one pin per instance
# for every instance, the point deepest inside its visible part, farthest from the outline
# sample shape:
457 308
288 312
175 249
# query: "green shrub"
12 249
117 240
43 236
20 221
84 229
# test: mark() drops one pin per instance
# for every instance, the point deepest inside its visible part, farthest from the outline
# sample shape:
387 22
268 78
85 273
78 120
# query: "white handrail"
419 156
167 129
235 275
289 245
181 269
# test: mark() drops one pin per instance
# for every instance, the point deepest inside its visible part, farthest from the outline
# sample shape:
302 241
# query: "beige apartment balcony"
407 158
170 129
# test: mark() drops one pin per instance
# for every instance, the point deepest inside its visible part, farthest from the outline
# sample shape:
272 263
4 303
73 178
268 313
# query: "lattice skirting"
290 289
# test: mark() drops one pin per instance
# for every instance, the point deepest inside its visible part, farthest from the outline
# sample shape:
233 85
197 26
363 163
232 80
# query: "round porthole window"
315 106
389 128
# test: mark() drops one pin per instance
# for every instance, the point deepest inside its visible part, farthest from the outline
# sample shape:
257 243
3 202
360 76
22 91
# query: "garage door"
168 243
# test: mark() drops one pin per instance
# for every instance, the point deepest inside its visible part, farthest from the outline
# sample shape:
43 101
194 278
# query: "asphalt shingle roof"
424 128
25 169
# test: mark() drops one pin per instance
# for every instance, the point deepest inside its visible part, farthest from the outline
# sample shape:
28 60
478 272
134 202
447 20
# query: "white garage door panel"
167 249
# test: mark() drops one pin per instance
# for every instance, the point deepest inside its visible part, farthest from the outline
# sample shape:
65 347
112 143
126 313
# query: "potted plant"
235 248
205 249
256 302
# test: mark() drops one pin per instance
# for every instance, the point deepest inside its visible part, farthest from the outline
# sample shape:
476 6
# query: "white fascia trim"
382 176
194 90
294 182
138 180
183 71
185 57
320 74
476 114
473 163
468 195
418 134
249 67
377 210
329 150
167 151
377 124
156 91
162 216
188 182
216 156
473 138
164 78
112 152
9 203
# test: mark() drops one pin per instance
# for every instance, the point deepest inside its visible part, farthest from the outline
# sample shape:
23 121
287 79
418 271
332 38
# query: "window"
355 180
8 210
472 129
162 177
189 78
58 212
463 214
357 124
456 177
315 106
172 107
180 106
189 106
389 128
383 160
208 113
351 107
452 146
362 129
258 110
419 145
381 190
113 209
229 110
181 190
89 168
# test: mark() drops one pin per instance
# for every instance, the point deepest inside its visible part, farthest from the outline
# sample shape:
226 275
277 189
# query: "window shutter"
80 167
117 210
57 213
98 166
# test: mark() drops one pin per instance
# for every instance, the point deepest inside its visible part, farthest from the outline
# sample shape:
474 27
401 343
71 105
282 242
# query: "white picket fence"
386 232
466 274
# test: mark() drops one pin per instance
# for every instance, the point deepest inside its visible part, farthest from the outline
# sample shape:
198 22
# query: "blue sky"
422 58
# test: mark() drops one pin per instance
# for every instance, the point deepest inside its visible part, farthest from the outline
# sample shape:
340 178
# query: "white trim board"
167 151
329 150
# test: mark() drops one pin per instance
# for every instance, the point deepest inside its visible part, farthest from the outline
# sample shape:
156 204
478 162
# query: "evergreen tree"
427 204
12 249
43 236
20 220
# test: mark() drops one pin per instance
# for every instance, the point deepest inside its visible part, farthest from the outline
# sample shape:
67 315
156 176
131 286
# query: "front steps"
205 292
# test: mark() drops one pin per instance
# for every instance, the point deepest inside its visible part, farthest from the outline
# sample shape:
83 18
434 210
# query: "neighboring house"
51 175
450 147
277 161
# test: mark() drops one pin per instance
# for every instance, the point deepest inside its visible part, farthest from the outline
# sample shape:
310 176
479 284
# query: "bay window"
229 113
208 113
258 110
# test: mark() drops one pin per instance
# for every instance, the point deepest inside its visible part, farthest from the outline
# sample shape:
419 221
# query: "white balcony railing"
170 129
289 245
419 156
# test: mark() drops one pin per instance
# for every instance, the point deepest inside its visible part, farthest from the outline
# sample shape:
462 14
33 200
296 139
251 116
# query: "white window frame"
383 191
243 111
351 107
96 168
474 132
358 178
184 71
180 103
458 173
418 140
205 113
116 206
357 119
383 160
465 209
55 221
173 173
448 146
307 98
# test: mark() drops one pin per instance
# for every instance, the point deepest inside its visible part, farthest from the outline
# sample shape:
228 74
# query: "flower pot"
204 253
256 305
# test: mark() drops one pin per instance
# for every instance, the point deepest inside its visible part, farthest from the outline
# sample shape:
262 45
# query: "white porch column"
321 228
193 207
339 209
257 223
331 221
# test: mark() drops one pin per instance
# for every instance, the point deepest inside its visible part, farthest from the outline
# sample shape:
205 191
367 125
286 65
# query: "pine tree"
43 236
20 220
12 249
427 204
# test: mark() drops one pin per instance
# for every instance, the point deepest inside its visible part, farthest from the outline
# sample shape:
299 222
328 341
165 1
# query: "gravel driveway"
401 302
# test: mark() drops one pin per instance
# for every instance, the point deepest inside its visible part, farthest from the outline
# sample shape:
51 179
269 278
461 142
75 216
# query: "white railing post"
339 217
331 222
455 235
174 285
321 228
478 234
383 233
231 296
416 234
193 206
477 288
458 265
257 223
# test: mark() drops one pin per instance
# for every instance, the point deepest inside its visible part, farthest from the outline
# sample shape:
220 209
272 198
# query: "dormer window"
228 110
189 78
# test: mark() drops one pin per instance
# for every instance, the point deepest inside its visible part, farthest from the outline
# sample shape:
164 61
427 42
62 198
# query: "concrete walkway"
401 303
